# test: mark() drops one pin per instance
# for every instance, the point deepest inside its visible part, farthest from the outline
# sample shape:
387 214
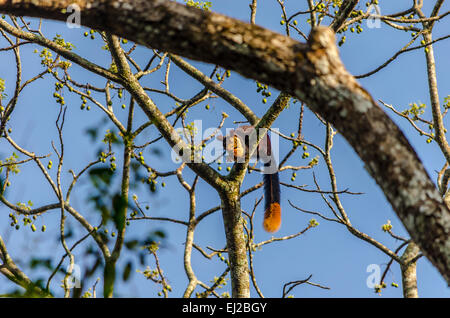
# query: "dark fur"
271 189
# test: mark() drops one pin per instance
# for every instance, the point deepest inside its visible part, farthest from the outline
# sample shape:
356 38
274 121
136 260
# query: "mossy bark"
409 272
236 245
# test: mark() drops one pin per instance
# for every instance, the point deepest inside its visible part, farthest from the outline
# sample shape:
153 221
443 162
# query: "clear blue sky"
329 252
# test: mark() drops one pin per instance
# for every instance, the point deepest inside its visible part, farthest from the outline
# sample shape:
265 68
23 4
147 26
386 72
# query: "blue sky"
329 252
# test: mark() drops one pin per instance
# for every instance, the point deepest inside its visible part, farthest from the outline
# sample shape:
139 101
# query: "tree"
311 73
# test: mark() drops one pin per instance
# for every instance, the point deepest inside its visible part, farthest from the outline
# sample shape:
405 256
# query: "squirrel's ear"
245 128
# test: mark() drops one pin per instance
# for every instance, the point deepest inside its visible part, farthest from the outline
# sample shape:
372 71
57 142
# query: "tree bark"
312 72
236 246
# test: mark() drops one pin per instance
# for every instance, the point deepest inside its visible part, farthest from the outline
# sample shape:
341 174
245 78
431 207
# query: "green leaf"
92 132
41 262
103 174
132 244
160 234
119 211
127 271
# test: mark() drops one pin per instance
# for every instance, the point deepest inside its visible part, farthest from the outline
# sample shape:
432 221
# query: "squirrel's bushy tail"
272 214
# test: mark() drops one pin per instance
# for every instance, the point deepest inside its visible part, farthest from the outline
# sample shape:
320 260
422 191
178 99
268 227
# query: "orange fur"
238 149
272 218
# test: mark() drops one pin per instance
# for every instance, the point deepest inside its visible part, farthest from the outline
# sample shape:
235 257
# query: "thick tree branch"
344 12
312 72
408 268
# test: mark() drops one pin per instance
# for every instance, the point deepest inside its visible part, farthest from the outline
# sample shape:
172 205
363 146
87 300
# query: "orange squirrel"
236 143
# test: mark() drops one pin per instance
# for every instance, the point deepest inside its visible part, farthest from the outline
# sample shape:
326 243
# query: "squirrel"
236 144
